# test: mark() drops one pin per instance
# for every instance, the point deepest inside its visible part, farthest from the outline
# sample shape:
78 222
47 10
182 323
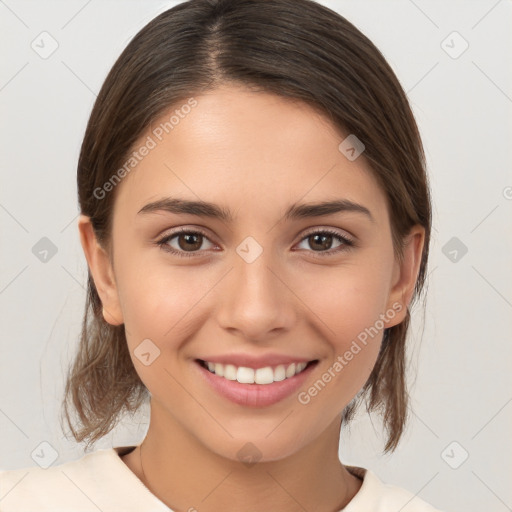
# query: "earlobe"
405 274
101 271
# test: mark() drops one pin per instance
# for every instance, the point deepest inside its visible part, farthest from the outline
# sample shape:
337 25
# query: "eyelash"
347 243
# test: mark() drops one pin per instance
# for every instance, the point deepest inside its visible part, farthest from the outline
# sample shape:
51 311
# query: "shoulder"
97 481
38 486
379 496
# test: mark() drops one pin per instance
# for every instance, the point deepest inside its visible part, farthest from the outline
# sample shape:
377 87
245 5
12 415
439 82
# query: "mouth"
263 376
255 387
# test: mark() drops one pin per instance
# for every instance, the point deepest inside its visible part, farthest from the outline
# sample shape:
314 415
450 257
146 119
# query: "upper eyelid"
181 230
319 229
340 232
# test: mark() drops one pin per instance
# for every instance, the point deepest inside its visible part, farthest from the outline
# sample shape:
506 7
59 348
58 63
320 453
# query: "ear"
405 274
101 271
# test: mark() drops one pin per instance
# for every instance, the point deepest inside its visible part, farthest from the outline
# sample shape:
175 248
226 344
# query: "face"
269 278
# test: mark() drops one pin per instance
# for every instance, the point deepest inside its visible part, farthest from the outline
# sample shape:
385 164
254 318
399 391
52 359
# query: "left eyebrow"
299 211
295 211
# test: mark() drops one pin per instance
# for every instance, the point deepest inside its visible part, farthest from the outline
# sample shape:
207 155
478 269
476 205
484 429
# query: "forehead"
251 151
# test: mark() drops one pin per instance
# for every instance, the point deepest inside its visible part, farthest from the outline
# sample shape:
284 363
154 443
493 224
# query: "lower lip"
255 395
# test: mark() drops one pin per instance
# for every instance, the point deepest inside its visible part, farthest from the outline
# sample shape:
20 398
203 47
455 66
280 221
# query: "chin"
249 449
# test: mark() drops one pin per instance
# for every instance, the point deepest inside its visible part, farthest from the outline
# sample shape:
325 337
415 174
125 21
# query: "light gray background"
460 362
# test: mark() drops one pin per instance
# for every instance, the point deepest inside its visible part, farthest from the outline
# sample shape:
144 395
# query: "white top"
101 481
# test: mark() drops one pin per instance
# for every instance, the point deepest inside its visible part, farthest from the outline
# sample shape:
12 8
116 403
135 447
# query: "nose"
256 301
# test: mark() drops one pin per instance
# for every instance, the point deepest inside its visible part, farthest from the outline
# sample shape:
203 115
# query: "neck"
182 473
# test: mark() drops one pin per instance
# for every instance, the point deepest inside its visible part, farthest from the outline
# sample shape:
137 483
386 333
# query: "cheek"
349 303
347 299
163 305
157 299
162 302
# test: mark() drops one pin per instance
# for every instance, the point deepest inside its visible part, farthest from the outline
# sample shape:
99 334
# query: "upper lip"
250 361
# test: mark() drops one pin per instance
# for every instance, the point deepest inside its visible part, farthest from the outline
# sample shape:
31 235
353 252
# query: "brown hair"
293 48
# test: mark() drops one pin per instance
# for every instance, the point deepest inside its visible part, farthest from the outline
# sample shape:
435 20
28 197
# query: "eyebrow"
211 210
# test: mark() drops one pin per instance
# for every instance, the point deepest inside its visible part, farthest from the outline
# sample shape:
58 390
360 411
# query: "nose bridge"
257 301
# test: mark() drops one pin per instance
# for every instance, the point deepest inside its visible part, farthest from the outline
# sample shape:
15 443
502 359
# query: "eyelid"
162 241
347 240
184 229
333 231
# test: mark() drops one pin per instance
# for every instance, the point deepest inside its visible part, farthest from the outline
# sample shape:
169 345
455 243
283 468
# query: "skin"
255 153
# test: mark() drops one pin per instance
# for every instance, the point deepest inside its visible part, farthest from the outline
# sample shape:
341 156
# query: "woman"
255 216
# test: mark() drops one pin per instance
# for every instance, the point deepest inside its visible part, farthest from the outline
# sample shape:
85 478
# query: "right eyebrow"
185 206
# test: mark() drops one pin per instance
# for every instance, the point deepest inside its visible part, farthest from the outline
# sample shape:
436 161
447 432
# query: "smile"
245 375
254 387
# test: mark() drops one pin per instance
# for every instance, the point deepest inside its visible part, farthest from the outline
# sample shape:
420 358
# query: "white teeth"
230 372
243 375
290 371
280 373
265 375
219 369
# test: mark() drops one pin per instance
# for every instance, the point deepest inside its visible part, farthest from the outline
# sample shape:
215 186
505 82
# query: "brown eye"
190 241
321 242
185 243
